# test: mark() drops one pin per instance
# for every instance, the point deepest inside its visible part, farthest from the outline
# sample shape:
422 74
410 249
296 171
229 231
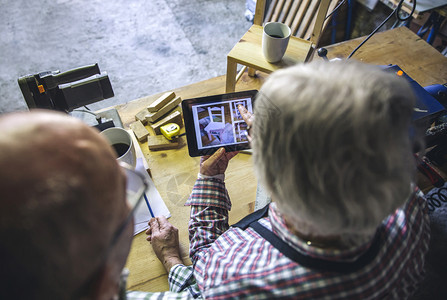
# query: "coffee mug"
121 142
275 38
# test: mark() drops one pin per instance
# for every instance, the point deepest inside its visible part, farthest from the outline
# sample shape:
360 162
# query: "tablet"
214 121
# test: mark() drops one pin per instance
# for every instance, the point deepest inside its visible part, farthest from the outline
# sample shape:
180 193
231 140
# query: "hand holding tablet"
217 163
215 121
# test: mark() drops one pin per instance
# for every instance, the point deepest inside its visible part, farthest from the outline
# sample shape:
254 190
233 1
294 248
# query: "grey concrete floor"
146 47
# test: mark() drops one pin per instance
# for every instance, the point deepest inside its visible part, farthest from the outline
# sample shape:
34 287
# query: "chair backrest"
306 18
216 111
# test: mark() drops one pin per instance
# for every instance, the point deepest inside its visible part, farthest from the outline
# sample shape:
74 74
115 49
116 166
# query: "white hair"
333 145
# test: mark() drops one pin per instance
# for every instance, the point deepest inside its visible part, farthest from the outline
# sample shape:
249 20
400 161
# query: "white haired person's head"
333 145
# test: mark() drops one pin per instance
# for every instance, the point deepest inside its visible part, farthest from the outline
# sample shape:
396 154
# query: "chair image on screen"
240 132
236 110
217 122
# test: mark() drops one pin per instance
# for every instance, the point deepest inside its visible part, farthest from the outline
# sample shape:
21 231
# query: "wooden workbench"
174 172
401 47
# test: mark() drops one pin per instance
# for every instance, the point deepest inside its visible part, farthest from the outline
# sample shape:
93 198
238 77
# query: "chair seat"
248 51
214 126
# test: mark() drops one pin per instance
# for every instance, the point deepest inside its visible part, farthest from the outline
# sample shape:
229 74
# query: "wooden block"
175 117
159 142
141 116
160 102
153 117
139 130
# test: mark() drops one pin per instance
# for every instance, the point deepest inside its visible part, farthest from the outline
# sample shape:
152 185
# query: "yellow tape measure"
170 130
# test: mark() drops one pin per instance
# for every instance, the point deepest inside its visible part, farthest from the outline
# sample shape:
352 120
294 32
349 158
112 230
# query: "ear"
107 284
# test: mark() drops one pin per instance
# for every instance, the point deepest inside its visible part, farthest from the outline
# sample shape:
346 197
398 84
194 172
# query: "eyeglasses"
136 186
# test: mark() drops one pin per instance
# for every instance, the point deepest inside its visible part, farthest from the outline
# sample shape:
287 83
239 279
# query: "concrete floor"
146 47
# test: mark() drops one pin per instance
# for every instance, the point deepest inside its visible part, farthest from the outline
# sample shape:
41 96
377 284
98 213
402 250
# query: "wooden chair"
305 18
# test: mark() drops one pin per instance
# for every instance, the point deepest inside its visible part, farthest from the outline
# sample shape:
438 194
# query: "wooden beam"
139 130
160 102
175 117
141 116
259 12
155 116
159 142
321 15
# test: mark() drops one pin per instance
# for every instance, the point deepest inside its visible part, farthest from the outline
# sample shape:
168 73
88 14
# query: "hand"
217 163
163 237
248 118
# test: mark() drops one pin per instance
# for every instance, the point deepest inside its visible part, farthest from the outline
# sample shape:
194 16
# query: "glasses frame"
120 229
86 286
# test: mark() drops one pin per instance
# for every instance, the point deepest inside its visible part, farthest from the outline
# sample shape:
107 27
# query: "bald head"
41 146
62 196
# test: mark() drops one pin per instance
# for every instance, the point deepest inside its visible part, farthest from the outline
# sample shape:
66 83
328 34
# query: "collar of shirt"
279 227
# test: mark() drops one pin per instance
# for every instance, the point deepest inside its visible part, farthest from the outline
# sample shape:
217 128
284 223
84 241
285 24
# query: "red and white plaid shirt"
234 263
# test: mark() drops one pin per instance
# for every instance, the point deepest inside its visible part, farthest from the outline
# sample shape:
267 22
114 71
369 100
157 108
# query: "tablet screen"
214 121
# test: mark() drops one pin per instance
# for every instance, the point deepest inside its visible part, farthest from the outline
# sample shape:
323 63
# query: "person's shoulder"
409 222
416 205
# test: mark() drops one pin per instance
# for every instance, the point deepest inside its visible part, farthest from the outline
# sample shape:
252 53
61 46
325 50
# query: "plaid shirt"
182 285
233 263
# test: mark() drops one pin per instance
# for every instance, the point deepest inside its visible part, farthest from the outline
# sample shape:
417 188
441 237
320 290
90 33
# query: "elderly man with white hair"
333 144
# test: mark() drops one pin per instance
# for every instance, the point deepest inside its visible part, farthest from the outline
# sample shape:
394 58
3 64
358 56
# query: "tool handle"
52 81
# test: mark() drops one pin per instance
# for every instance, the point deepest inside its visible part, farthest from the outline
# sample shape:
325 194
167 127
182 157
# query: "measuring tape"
170 130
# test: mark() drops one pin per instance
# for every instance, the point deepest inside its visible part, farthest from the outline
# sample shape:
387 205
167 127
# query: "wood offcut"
175 117
159 142
153 117
160 102
139 130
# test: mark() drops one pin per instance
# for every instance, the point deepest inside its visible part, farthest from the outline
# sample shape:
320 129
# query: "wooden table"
174 172
401 47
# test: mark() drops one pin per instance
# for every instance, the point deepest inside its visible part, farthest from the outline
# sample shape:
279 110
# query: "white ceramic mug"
121 142
275 39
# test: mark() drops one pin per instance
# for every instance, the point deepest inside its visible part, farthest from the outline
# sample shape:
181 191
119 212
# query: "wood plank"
315 30
317 25
399 46
232 75
269 15
299 17
259 13
292 14
155 116
160 102
141 116
175 117
159 142
285 11
139 130
332 5
278 10
308 16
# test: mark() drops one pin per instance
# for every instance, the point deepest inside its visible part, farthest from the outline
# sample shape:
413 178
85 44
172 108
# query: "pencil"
148 206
